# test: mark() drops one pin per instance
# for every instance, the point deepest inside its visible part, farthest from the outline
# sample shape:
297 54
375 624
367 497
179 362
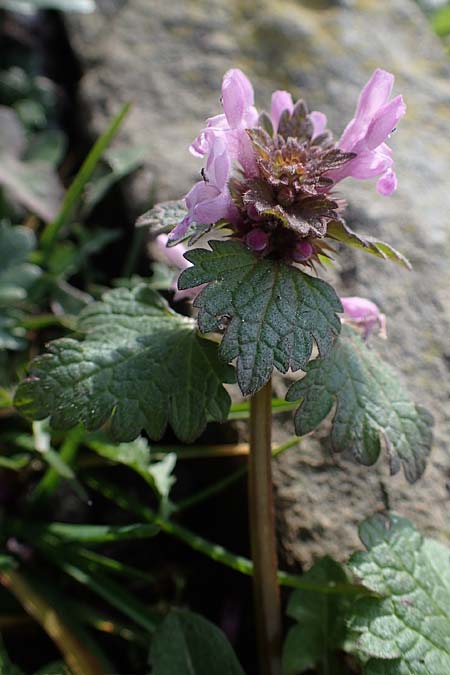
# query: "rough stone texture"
169 58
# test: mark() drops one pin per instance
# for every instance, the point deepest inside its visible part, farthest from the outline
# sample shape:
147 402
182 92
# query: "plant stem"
77 657
262 533
211 550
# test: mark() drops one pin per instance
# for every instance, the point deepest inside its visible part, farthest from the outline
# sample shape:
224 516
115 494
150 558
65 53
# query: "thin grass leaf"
78 657
241 411
75 192
100 534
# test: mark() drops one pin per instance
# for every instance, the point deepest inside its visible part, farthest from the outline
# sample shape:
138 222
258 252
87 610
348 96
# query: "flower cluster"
272 177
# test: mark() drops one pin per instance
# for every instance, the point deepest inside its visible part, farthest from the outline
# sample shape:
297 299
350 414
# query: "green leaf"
163 217
16 278
15 462
7 562
48 146
241 411
107 589
136 455
12 336
121 162
408 630
33 184
54 668
186 644
441 21
97 534
372 408
139 364
6 666
321 617
75 191
16 275
270 311
340 231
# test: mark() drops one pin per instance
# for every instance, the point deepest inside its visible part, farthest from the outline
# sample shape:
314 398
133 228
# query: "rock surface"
169 57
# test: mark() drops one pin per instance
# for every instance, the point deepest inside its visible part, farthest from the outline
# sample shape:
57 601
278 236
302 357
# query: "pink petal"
363 313
218 165
384 121
281 101
212 210
387 183
174 255
245 154
375 94
368 164
319 120
237 96
181 229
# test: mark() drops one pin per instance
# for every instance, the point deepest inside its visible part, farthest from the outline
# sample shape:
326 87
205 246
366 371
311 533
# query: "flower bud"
257 240
302 251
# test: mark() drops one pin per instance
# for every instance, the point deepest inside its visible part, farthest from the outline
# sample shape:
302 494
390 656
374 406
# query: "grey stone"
169 57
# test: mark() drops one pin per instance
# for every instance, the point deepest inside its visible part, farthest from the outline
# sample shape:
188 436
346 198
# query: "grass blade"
74 193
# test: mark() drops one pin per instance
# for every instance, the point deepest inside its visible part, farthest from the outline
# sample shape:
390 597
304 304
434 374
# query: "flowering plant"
272 178
247 243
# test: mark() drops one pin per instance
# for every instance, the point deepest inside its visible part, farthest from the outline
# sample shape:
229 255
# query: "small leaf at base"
407 631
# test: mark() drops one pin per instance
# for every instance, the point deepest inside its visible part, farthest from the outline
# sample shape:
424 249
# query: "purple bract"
271 177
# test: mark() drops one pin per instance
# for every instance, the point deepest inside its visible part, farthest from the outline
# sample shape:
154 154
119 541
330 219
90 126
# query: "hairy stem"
262 533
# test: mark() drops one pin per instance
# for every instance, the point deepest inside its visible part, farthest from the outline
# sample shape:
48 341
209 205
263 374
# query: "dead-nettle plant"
250 238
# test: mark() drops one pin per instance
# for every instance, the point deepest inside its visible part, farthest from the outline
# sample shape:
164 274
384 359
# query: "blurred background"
67 67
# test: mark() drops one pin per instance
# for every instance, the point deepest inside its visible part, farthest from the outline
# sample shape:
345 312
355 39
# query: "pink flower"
174 257
223 140
209 200
365 135
296 174
363 314
282 100
239 114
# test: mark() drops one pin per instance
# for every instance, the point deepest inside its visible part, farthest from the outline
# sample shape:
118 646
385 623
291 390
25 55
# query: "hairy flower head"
272 177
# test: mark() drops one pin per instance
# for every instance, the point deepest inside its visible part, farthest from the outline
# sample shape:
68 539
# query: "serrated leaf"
407 630
372 407
275 311
186 644
139 365
321 617
163 217
340 231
